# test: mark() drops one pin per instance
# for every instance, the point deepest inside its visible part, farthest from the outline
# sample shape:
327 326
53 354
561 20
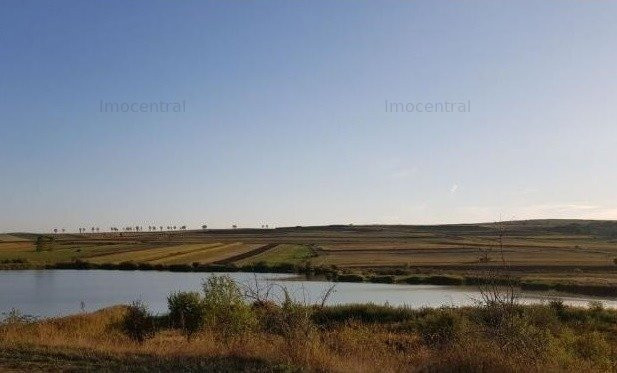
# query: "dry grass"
98 334
538 341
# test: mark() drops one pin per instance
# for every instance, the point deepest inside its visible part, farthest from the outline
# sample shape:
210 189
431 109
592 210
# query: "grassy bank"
219 329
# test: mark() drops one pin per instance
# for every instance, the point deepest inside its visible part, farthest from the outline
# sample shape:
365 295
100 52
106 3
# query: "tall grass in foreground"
231 333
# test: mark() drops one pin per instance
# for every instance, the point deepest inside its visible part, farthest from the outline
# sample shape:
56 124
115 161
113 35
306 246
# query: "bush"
128 266
593 347
442 327
180 268
444 280
296 320
382 279
365 313
138 324
186 311
292 320
413 280
145 266
225 307
350 277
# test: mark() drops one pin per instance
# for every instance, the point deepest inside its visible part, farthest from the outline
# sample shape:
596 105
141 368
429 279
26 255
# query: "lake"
45 293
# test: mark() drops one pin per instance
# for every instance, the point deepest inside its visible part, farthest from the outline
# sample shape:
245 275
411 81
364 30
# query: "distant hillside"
11 238
600 228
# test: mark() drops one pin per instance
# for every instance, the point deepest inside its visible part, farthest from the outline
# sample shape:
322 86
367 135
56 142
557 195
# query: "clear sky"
285 119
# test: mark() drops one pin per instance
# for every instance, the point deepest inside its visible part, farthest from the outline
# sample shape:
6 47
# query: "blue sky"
285 120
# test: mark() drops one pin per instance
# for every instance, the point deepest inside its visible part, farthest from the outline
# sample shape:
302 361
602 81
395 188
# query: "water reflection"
60 292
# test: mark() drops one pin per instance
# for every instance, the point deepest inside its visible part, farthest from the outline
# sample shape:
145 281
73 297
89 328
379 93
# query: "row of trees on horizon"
139 228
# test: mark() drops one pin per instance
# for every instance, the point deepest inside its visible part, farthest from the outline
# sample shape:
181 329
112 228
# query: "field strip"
124 251
248 254
11 238
152 253
213 255
180 257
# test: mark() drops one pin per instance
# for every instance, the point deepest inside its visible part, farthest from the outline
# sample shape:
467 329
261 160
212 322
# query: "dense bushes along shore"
221 329
401 276
332 273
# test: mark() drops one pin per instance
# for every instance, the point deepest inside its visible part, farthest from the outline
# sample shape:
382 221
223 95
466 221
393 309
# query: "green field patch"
283 253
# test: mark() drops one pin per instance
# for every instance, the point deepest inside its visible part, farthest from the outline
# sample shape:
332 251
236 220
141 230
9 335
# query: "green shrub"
107 266
225 307
382 279
536 285
145 266
292 320
296 319
186 311
442 327
138 324
412 280
128 266
593 347
350 277
180 268
444 280
365 313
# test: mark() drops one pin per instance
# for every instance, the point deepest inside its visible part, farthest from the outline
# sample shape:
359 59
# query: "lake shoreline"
395 276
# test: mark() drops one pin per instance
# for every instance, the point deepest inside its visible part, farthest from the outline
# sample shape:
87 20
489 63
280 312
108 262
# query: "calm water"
60 292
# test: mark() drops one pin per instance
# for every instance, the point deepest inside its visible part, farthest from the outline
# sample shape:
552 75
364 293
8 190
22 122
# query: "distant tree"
174 227
40 243
97 229
183 227
63 230
204 227
44 242
92 229
55 230
161 228
234 226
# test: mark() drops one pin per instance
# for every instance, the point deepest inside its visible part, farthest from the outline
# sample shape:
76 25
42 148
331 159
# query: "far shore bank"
427 275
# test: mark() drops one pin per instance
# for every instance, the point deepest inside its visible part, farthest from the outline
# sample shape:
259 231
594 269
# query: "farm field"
561 250
283 253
